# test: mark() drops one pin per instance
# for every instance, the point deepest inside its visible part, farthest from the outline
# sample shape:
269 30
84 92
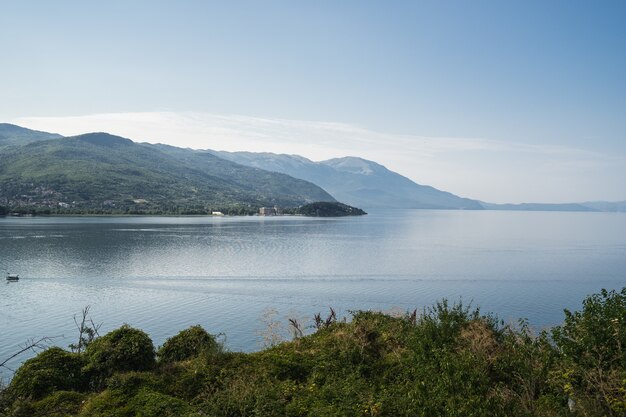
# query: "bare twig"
296 327
87 331
273 332
320 323
413 317
31 344
332 317
318 320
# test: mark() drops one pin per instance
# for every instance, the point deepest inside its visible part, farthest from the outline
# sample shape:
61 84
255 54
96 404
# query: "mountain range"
356 181
103 172
98 171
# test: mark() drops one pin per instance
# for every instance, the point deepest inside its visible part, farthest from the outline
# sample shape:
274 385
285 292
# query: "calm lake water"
163 274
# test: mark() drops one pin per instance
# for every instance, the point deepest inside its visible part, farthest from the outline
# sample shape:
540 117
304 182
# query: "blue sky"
500 101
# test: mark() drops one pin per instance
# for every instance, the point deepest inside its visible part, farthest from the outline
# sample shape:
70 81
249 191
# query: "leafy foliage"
53 369
122 350
592 343
450 360
187 344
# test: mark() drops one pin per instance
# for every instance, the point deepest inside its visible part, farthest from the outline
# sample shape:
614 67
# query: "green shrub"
186 379
52 370
109 403
187 344
592 343
595 336
122 350
154 404
131 382
59 404
144 403
20 407
439 326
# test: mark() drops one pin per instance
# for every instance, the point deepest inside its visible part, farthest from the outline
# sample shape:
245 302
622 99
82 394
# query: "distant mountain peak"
103 139
354 165
8 127
11 134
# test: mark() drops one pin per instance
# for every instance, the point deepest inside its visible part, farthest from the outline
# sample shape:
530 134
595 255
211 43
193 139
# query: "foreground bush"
124 349
187 344
448 361
592 343
144 403
52 370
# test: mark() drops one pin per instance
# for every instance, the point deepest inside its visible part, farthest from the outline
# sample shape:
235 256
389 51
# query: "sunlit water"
163 274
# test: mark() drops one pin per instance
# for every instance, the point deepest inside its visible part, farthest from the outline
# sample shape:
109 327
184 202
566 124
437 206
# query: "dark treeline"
326 209
166 210
448 360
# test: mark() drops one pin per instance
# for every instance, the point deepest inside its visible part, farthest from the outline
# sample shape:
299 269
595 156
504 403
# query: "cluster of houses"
39 197
271 211
29 201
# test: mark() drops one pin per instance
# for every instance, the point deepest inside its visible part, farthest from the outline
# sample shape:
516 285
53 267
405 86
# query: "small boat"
13 277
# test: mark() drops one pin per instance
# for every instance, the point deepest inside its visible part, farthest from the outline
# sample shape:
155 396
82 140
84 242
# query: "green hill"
11 135
99 172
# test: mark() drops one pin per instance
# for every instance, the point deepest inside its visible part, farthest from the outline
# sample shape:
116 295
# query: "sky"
500 101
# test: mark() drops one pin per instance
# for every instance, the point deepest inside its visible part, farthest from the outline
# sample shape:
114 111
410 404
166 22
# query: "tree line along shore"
315 209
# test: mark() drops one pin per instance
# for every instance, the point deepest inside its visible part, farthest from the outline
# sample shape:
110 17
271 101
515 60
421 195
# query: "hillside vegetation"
447 361
327 209
102 173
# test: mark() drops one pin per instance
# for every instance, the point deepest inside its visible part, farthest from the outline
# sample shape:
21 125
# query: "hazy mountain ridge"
356 181
600 206
606 205
539 207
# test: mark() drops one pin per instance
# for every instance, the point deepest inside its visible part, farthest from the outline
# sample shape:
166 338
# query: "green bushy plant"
187 344
596 335
59 404
122 350
592 344
144 402
155 404
52 370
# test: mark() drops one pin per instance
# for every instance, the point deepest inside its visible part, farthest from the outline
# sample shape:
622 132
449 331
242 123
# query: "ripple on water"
164 274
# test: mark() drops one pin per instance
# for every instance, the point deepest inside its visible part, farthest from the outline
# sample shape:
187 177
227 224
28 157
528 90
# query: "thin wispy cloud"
473 167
